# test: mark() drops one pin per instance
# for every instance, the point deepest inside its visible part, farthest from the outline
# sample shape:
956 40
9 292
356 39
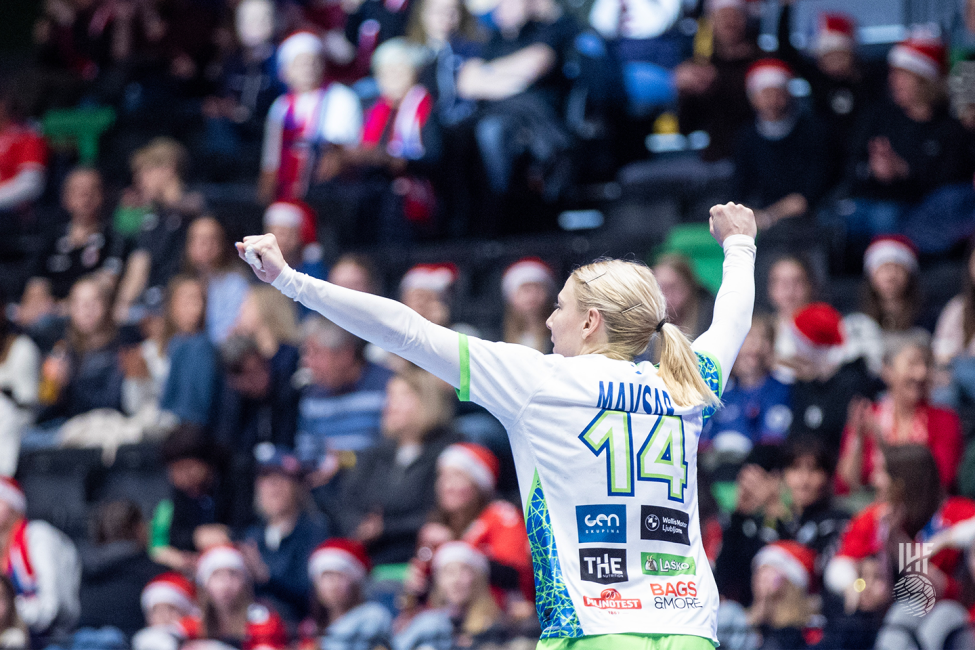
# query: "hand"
267 249
255 563
694 78
132 363
732 219
370 528
207 536
885 165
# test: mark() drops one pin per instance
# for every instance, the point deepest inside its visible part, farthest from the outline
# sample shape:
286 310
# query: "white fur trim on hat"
841 572
300 43
437 279
791 568
523 272
767 77
907 58
888 250
459 457
460 552
335 559
161 592
13 496
283 214
219 557
828 41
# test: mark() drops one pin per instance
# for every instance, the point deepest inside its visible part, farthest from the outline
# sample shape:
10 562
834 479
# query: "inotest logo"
612 600
602 523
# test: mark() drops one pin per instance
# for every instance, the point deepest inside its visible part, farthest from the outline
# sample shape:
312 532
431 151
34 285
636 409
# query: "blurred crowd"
318 492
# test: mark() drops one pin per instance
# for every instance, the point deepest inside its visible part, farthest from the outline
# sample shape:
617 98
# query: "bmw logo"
652 522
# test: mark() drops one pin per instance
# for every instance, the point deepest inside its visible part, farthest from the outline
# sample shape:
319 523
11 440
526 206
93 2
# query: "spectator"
463 612
369 24
307 126
467 510
780 158
208 254
85 244
711 87
400 144
341 616
689 305
196 497
277 551
116 569
825 383
528 287
228 612
905 147
391 490
790 288
355 271
755 405
809 470
954 336
165 601
339 411
192 377
20 362
425 289
42 564
23 161
82 373
13 632
903 416
158 172
294 223
782 579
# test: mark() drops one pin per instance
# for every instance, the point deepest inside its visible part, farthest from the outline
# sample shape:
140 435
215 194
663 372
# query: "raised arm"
734 227
383 322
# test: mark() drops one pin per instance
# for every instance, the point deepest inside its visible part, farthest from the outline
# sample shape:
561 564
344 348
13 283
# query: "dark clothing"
403 495
818 527
95 383
781 638
551 86
935 151
63 265
176 518
194 379
112 579
767 170
742 539
440 78
819 407
289 588
722 110
251 80
163 237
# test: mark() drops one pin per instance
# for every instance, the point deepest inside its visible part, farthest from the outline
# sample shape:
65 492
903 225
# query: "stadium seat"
57 483
138 474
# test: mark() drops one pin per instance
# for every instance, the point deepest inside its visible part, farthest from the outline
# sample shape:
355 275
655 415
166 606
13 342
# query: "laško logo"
612 600
665 564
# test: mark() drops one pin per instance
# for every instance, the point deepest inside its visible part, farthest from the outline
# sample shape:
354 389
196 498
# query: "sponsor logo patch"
664 524
665 564
602 523
671 602
604 566
676 588
612 600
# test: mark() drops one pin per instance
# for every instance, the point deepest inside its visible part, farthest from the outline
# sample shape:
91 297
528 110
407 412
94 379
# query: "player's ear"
593 320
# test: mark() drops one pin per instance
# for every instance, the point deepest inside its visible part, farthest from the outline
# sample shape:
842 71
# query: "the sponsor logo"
612 600
914 589
664 564
603 565
604 523
664 524
671 602
680 588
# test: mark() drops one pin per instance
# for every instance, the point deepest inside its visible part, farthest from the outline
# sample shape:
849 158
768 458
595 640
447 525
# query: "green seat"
80 128
694 241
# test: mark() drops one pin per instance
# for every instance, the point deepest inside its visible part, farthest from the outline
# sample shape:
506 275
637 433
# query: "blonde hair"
633 308
399 50
277 313
161 152
482 611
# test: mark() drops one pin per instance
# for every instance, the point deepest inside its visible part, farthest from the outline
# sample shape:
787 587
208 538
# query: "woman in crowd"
954 340
341 617
228 612
463 613
903 416
269 318
391 490
20 364
689 305
13 632
190 360
206 255
782 579
790 288
528 287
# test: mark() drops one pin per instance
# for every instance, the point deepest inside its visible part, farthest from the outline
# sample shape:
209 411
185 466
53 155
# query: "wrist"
738 240
283 277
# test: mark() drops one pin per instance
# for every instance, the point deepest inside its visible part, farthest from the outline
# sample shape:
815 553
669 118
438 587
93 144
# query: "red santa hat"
767 73
525 270
344 556
890 248
12 494
836 32
478 462
219 557
922 54
170 589
795 561
293 214
298 43
819 325
432 277
460 552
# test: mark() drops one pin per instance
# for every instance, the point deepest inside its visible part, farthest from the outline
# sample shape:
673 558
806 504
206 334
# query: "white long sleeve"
392 326
57 570
26 186
733 305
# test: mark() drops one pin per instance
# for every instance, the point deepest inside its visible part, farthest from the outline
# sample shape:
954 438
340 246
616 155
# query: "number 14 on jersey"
660 458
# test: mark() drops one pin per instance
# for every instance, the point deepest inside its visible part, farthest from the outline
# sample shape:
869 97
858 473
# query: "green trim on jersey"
556 612
629 642
464 391
710 371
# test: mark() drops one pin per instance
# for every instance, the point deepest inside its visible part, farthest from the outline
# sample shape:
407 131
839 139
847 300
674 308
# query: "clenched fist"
267 250
732 219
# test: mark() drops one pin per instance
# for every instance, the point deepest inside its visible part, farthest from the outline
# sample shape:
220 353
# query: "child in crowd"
166 600
341 617
782 580
528 287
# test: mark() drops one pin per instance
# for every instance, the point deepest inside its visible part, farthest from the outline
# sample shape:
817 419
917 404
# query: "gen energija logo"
605 523
612 600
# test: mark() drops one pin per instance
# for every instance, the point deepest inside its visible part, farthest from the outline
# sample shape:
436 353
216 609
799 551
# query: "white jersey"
606 461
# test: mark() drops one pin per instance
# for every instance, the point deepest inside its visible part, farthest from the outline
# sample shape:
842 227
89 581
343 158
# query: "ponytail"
633 308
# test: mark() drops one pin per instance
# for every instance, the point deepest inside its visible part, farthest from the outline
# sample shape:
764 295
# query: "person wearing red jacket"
227 609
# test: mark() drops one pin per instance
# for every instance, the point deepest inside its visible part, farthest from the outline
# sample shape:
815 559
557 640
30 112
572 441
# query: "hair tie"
660 325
